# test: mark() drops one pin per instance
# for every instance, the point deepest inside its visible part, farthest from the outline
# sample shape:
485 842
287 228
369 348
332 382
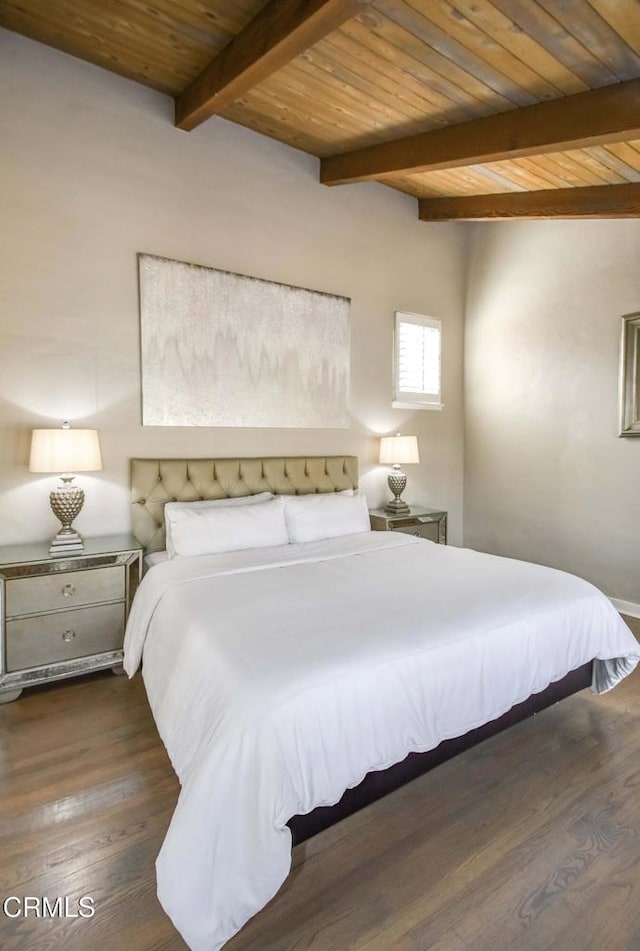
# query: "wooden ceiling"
480 108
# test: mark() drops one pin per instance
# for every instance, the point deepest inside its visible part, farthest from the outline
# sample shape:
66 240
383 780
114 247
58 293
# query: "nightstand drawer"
66 589
422 530
50 638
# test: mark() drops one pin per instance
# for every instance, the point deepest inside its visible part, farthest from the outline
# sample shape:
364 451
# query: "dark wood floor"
529 842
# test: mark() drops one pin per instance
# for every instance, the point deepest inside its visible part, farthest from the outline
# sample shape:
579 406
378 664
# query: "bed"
293 683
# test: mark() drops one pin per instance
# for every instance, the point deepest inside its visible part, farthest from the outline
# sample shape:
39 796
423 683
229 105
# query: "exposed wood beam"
598 201
608 114
277 34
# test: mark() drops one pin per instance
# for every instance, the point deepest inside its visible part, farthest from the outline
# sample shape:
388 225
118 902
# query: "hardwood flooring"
528 842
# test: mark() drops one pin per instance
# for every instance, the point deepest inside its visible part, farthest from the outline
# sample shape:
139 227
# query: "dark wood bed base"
378 784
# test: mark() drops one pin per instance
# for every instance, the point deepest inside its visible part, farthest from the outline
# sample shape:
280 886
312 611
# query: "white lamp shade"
399 450
65 450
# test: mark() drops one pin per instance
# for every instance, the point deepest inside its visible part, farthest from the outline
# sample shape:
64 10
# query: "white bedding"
278 678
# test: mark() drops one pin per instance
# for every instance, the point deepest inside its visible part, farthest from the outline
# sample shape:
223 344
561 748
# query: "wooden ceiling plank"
319 70
504 180
502 28
629 152
574 161
283 129
258 107
566 167
431 35
546 30
314 63
439 72
472 180
622 16
331 122
599 201
609 114
599 166
290 115
608 157
114 24
454 104
579 167
335 106
543 170
277 34
394 70
462 185
411 186
566 171
216 20
625 158
449 19
589 28
76 34
528 177
471 186
377 71
455 182
442 182
282 102
334 100
158 34
84 38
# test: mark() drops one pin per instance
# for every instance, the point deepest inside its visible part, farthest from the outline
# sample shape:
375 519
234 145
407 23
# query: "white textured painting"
223 349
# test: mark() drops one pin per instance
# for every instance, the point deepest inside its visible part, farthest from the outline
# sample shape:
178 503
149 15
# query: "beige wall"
92 171
546 477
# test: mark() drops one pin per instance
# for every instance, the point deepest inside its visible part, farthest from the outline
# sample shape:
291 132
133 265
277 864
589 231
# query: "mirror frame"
630 376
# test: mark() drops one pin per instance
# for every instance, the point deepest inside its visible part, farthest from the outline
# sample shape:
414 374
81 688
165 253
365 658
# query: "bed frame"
157 481
378 784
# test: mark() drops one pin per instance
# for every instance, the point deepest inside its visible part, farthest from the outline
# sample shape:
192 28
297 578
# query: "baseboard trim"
626 607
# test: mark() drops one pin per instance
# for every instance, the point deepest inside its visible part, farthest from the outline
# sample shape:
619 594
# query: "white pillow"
208 504
224 503
226 528
325 515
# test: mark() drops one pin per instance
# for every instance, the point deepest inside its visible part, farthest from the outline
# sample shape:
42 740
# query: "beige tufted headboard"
156 481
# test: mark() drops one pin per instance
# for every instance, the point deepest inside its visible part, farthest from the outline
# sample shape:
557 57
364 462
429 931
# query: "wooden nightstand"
420 521
64 615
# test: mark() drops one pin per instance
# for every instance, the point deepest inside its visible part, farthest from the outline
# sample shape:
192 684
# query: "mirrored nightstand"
65 615
420 521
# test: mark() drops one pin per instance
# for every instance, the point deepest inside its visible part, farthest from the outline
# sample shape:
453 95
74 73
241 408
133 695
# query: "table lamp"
398 451
66 451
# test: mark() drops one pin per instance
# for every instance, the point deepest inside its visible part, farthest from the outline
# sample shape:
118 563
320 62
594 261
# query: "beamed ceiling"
482 109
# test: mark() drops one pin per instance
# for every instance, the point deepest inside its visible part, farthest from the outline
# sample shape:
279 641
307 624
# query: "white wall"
546 477
92 171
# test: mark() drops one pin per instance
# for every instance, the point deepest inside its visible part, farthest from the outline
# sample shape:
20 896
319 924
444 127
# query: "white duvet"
278 678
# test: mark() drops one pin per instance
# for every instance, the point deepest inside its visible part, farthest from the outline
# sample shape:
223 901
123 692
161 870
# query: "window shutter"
417 360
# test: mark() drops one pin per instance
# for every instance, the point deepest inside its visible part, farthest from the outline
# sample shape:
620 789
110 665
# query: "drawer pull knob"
68 635
69 590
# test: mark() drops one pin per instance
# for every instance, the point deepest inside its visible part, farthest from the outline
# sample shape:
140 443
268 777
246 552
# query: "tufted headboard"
156 481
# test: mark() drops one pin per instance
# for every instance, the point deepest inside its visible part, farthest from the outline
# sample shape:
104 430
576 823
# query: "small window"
417 370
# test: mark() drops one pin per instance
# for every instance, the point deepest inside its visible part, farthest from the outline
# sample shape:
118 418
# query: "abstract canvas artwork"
223 349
